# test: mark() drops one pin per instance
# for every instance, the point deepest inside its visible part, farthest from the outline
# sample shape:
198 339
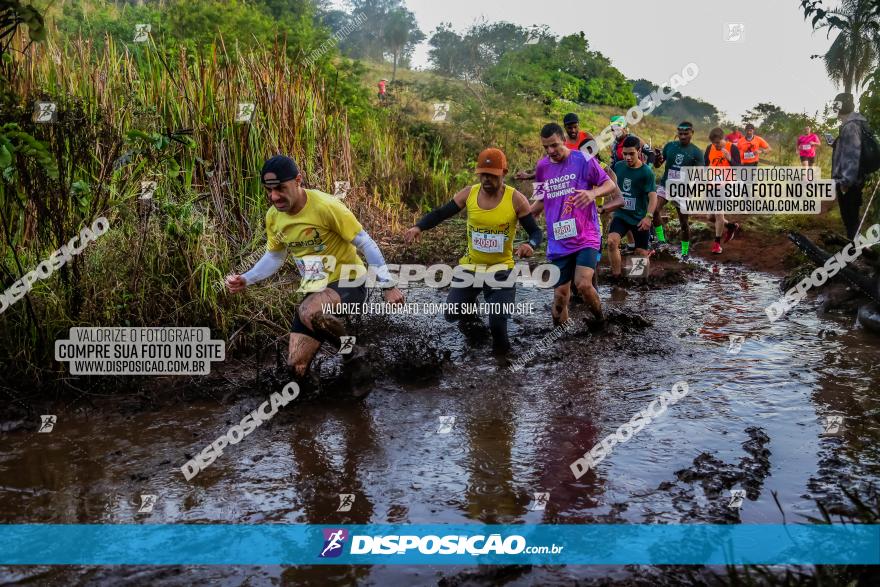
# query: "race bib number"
805 147
629 203
564 229
749 155
674 174
487 243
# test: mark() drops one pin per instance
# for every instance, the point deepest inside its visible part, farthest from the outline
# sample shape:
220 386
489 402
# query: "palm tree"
400 33
852 57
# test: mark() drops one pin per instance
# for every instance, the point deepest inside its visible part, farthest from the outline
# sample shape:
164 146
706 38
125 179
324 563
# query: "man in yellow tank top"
493 210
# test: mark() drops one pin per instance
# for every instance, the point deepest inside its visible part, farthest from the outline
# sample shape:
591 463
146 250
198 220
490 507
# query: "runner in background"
575 137
734 136
806 146
381 86
676 154
646 154
638 186
721 153
751 147
618 127
575 140
493 209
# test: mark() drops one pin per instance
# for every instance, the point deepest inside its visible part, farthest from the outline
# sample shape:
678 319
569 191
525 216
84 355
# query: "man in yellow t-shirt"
324 237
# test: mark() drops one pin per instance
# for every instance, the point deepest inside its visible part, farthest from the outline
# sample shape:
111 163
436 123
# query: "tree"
564 69
367 41
852 56
401 35
446 55
14 14
764 115
480 48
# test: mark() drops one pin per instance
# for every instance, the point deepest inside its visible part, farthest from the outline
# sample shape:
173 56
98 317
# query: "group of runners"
573 190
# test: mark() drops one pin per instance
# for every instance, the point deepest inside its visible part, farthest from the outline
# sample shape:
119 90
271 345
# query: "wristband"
532 244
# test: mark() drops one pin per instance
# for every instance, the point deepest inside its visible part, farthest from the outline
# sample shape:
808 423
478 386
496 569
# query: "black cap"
570 118
282 166
847 103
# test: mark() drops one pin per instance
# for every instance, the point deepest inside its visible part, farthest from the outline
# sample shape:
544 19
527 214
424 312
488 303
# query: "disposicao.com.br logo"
453 544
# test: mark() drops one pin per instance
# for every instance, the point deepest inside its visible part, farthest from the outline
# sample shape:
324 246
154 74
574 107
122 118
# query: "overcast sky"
654 39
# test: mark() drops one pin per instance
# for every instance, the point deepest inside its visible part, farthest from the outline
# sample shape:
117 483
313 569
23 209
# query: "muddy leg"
583 280
304 342
561 296
498 317
685 226
657 220
614 253
719 225
460 296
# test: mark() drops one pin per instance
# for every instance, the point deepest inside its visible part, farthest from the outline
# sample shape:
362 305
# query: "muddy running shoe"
595 323
358 372
730 232
329 327
716 248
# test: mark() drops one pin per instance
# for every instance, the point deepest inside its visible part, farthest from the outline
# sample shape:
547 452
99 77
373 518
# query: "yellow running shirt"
490 233
319 236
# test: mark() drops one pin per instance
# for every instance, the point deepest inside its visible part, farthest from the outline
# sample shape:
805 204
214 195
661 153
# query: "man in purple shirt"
566 188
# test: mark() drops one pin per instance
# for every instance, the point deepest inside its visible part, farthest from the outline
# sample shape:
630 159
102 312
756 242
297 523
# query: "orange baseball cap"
492 161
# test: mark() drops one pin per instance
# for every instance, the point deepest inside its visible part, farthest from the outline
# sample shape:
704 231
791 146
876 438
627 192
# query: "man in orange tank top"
721 153
751 147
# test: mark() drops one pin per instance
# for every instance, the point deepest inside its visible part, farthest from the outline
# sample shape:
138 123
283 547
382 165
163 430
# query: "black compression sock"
717 239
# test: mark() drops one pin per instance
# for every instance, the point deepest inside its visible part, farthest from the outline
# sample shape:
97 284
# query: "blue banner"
570 544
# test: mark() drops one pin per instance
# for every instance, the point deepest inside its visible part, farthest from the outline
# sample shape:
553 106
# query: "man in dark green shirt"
676 154
638 186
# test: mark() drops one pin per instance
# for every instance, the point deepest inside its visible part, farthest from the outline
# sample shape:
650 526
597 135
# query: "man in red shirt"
575 136
381 85
734 137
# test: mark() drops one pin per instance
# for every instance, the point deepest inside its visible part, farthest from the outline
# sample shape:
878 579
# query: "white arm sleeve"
268 265
370 250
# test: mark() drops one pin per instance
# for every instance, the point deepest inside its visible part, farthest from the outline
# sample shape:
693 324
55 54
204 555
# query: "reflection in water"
491 496
330 451
331 448
515 435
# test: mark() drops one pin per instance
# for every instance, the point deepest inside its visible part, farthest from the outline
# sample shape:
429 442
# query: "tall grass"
128 114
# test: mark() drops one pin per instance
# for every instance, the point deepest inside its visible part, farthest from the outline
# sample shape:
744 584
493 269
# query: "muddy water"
753 419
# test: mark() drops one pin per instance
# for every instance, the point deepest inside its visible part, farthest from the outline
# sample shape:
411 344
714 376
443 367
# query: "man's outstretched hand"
235 283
